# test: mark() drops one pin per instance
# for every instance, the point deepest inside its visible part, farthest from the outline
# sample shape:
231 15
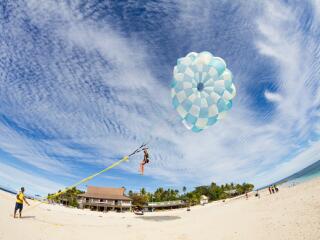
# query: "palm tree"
143 191
158 194
130 193
184 189
176 192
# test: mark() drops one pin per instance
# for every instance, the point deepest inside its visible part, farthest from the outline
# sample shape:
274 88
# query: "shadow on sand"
159 218
26 217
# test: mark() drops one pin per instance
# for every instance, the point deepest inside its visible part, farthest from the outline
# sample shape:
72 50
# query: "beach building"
204 200
153 206
104 199
232 192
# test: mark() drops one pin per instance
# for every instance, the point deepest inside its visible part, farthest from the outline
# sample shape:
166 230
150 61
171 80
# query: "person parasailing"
144 161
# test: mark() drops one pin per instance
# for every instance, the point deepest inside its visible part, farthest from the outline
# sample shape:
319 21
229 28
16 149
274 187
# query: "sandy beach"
293 213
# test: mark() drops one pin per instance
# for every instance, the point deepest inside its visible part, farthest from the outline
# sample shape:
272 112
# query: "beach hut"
104 199
204 200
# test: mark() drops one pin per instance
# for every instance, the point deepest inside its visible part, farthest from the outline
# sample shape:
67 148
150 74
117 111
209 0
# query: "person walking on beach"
257 194
19 202
270 190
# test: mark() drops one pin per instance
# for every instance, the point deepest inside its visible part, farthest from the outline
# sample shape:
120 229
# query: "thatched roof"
105 193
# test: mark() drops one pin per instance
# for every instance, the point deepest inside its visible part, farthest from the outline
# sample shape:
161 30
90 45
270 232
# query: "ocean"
308 173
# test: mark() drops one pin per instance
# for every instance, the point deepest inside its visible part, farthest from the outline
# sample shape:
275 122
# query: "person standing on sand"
270 190
19 203
257 194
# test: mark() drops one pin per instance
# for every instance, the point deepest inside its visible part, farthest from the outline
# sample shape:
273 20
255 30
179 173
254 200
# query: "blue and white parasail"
202 90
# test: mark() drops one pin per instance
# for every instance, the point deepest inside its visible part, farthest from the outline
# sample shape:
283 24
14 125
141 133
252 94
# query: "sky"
83 83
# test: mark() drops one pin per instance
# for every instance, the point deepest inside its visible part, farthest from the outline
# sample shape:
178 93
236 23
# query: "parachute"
202 90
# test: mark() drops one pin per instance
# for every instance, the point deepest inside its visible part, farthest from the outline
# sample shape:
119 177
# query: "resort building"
232 192
204 200
153 206
104 199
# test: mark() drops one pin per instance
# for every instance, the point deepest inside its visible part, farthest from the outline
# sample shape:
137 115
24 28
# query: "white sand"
293 213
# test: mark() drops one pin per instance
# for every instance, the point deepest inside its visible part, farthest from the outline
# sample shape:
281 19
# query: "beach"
292 213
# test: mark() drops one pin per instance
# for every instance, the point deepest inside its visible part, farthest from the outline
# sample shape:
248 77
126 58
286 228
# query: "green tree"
202 190
139 200
69 197
143 191
184 189
213 191
158 194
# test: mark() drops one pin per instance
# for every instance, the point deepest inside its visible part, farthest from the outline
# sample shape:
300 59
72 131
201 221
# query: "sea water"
306 174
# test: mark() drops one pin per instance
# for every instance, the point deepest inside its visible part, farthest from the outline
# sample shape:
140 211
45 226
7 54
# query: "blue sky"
84 83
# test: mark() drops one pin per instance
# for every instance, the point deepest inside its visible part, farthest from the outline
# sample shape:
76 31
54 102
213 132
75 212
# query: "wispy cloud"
87 92
18 178
24 149
273 97
112 177
307 156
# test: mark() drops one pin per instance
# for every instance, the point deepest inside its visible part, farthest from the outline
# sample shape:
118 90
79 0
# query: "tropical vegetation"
213 192
69 197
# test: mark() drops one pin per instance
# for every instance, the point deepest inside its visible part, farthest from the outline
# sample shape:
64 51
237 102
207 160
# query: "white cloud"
24 149
285 43
112 177
18 178
272 97
307 157
99 93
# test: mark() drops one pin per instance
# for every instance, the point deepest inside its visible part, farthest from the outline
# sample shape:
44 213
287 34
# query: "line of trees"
213 192
69 197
